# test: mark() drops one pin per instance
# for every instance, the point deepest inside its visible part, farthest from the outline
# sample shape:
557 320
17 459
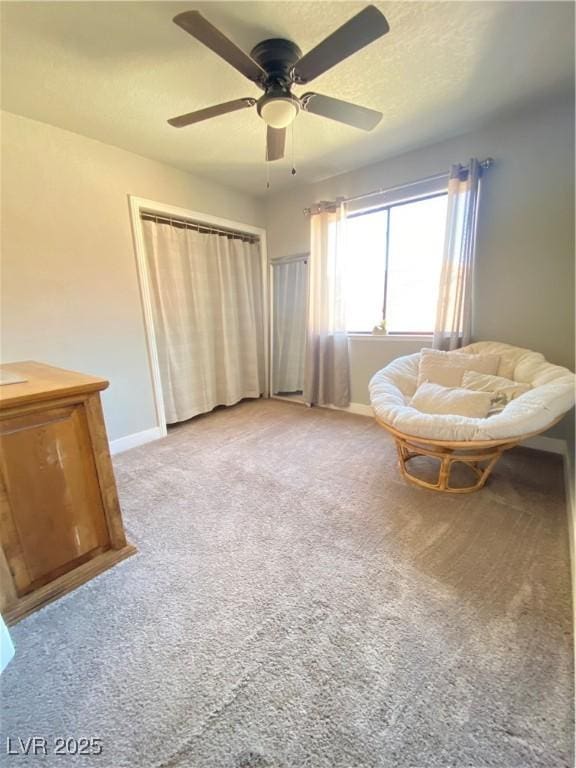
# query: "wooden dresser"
60 521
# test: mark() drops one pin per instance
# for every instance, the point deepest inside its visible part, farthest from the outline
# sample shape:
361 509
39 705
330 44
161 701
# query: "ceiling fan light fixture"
278 111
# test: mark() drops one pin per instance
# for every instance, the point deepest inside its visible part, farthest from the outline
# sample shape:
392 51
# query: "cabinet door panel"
55 514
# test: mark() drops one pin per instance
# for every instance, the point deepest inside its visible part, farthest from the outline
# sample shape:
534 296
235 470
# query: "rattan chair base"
480 455
481 462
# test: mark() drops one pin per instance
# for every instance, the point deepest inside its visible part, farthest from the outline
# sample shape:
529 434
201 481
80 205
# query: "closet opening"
203 286
288 302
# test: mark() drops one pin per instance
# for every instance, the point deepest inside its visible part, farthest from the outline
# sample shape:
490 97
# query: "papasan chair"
476 442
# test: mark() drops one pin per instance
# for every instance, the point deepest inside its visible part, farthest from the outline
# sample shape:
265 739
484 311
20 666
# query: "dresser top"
43 382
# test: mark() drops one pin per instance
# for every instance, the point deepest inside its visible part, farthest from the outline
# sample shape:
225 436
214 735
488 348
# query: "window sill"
392 337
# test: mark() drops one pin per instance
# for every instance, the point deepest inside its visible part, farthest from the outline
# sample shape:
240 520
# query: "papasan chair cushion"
551 395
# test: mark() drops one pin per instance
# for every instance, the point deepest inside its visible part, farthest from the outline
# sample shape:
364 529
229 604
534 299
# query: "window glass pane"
365 270
414 261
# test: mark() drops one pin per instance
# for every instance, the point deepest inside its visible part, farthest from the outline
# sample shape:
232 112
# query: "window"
393 263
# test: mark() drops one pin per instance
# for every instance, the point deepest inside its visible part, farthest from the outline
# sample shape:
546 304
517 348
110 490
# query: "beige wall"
70 293
524 291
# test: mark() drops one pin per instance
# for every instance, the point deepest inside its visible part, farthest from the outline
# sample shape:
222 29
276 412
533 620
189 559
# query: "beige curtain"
454 311
207 302
327 365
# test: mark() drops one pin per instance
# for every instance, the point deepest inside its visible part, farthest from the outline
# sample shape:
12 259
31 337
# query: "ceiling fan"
276 65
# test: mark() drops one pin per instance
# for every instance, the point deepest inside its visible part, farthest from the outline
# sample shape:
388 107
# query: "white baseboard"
360 409
138 438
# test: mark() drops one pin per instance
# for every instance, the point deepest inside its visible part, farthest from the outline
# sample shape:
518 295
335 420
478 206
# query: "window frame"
424 335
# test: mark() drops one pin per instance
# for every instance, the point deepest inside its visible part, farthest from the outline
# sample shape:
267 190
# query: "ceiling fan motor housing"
278 106
276 57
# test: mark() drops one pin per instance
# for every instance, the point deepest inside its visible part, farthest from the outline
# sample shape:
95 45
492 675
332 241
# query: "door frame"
139 205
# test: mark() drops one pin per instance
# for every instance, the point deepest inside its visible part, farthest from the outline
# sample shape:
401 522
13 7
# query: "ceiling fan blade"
359 31
342 111
215 111
197 26
275 143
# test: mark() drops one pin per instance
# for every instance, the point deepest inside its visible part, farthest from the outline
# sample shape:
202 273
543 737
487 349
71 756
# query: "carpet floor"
294 603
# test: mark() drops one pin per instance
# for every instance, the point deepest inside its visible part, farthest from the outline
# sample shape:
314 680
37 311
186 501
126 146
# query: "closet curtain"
290 294
454 311
207 297
327 364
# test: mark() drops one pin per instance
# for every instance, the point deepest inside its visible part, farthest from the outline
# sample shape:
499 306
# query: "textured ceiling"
117 71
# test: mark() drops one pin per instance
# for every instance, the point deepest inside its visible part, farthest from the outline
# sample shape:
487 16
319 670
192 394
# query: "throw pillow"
434 398
484 382
447 368
503 390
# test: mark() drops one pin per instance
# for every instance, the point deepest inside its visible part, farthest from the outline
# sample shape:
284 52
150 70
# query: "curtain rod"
200 227
484 164
290 259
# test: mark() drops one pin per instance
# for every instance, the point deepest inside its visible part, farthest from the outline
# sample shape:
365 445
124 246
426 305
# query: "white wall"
524 291
70 294
370 353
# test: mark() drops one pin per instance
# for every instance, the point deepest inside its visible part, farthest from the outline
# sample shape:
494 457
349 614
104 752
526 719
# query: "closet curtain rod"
290 259
200 227
484 164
